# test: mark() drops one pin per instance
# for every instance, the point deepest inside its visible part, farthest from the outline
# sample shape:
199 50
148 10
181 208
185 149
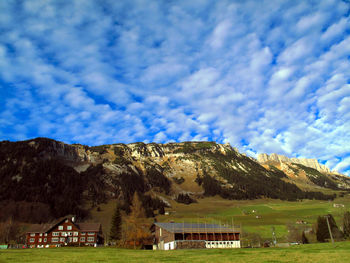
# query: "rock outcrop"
312 163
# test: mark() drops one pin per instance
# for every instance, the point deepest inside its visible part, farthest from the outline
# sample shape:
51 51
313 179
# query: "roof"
89 226
43 228
196 227
39 228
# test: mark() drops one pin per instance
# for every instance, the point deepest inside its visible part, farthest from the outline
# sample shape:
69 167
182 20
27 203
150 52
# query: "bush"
185 199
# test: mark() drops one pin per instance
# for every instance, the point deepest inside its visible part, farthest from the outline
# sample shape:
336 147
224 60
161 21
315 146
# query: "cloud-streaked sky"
266 76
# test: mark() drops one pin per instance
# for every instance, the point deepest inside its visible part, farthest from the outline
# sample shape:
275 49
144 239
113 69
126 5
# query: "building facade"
64 232
169 236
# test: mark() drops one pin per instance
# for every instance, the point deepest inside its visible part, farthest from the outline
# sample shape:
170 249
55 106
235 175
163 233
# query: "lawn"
325 252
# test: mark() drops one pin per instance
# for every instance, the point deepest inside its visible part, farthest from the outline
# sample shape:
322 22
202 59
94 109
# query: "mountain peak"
312 163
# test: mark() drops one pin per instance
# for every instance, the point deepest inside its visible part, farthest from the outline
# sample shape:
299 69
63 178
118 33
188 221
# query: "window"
90 239
40 239
82 233
41 234
45 239
91 233
70 234
62 239
55 234
75 239
54 239
63 234
82 239
69 227
60 227
31 240
45 234
75 234
32 234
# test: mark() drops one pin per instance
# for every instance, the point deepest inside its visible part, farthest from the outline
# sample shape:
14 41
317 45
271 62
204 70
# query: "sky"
266 76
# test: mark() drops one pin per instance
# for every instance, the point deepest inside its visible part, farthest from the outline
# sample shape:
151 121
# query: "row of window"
56 234
221 243
62 239
68 228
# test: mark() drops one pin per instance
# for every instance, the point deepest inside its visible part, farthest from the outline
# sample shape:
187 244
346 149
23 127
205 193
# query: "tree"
304 239
161 210
9 231
322 232
116 225
136 229
137 209
346 224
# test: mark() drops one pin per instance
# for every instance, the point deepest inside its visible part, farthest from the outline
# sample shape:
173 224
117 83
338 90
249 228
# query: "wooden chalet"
64 232
170 236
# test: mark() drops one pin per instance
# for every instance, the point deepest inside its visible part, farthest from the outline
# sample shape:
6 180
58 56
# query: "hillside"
305 172
44 179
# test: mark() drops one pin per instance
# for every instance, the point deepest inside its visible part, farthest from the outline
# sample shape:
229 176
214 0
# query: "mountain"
43 179
309 171
312 163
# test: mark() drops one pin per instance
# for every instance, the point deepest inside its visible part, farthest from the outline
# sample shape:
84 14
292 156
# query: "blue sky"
266 76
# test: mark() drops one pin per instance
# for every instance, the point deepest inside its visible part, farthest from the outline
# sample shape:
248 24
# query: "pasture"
255 216
324 252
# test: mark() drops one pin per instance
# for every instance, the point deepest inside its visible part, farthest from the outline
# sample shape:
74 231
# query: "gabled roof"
39 228
44 228
95 227
195 228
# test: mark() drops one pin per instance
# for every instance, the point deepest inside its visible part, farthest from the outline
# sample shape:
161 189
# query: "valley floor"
255 216
326 252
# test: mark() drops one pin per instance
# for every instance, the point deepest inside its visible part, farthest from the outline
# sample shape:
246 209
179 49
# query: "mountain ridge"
312 163
53 174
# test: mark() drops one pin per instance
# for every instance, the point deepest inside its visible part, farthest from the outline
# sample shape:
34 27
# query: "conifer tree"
346 224
161 210
136 227
322 232
137 209
116 225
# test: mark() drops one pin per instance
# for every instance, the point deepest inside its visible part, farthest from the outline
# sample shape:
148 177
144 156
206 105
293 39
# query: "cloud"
269 76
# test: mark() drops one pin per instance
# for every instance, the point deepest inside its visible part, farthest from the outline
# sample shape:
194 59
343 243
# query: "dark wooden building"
64 232
170 236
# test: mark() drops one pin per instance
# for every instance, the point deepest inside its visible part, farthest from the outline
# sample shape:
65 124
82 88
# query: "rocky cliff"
312 163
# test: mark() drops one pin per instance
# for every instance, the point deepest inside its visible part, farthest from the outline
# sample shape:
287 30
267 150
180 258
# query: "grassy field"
270 213
325 252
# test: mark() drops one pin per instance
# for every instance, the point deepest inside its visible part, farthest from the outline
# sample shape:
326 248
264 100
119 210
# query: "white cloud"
220 33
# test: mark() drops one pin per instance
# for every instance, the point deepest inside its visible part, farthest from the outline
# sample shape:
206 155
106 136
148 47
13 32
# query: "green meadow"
325 252
255 216
258 216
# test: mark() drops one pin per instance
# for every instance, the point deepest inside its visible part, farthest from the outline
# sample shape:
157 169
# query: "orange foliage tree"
136 228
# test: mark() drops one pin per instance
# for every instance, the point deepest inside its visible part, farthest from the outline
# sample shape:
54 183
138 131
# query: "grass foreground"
325 252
